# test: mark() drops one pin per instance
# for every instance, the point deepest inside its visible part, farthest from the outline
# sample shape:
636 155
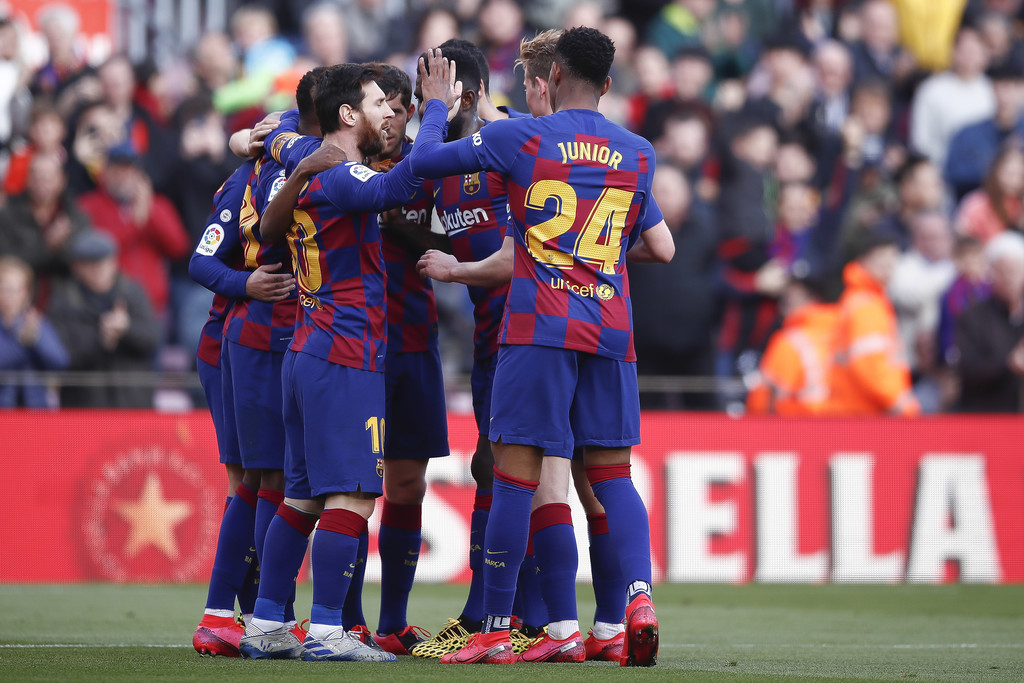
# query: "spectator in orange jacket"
793 375
870 374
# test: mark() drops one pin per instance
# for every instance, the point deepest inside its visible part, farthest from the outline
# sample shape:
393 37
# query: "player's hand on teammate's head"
325 157
436 265
260 131
266 284
437 80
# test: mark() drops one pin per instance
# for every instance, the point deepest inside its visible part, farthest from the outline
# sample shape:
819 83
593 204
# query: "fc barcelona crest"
471 183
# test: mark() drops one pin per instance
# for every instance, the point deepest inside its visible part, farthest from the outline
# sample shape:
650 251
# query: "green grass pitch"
746 633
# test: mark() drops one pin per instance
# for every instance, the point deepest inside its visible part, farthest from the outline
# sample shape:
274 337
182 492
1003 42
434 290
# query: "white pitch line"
87 645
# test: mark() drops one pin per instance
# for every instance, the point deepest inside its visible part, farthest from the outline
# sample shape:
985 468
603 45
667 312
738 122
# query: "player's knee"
482 469
272 479
235 476
591 505
410 494
251 478
554 482
405 481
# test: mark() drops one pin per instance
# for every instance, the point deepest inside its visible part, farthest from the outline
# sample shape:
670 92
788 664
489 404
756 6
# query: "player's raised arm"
432 157
277 217
439 80
493 271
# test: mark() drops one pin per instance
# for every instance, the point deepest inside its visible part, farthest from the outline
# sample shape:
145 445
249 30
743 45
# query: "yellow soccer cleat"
449 639
522 642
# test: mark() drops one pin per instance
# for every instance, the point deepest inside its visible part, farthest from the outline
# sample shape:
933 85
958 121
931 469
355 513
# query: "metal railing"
162 29
660 384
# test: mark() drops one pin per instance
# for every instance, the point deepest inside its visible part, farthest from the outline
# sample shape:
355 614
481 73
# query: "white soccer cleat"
280 643
340 646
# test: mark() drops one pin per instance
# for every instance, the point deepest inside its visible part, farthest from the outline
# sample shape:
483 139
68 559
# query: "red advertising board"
94 15
137 496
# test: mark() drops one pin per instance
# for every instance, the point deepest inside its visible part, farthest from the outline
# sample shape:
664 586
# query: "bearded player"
333 370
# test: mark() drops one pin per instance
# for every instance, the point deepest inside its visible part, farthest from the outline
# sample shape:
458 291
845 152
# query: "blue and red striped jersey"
335 242
579 192
336 250
216 262
473 209
411 306
258 324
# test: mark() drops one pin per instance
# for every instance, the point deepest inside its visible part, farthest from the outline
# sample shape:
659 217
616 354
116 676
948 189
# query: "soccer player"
415 412
216 264
551 532
333 370
473 212
580 196
548 575
256 334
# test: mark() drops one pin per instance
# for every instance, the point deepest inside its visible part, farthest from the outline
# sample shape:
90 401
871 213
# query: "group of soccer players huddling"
320 358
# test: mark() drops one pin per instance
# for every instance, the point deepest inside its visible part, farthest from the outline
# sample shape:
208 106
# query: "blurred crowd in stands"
810 151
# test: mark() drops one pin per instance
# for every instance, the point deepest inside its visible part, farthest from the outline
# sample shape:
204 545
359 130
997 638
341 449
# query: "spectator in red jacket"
146 226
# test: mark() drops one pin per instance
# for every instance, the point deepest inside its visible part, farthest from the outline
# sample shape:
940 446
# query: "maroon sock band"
398 516
246 494
482 501
598 524
549 515
598 473
299 521
342 522
274 496
529 546
509 479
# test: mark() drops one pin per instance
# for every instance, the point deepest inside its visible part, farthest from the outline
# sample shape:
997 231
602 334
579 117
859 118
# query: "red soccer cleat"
604 650
641 633
217 636
547 649
483 648
404 641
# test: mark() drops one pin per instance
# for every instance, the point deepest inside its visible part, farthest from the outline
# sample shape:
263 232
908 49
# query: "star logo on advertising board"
148 515
152 519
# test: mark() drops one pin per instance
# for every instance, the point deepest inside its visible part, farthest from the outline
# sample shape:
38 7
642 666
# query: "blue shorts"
255 385
556 398
417 420
334 417
481 382
227 439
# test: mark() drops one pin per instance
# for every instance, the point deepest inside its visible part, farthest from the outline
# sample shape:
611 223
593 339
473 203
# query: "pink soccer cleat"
217 636
547 649
483 648
604 650
641 633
